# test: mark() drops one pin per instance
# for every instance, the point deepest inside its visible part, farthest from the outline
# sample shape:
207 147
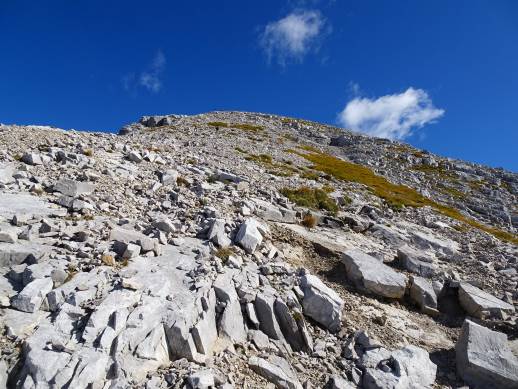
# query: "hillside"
234 249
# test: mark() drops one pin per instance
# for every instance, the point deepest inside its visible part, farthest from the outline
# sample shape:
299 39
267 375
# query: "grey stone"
169 177
202 379
479 303
423 294
6 173
131 236
8 234
32 159
205 332
409 367
264 307
415 262
131 251
372 275
32 296
135 156
276 370
248 236
26 206
73 188
290 326
321 303
217 233
337 382
484 359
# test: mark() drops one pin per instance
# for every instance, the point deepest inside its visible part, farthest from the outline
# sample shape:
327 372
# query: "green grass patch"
313 198
395 195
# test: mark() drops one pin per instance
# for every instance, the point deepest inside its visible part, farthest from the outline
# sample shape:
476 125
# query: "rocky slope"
246 250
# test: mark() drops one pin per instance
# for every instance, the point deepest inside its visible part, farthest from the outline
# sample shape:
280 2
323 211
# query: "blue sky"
441 75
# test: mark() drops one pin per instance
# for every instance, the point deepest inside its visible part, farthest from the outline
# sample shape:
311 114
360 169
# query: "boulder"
484 359
32 296
415 261
292 326
231 322
276 370
265 309
321 303
32 159
409 367
202 379
6 173
73 188
249 235
169 177
479 304
372 275
217 233
423 294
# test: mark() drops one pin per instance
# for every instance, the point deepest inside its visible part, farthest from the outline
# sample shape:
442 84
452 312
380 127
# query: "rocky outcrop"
216 251
484 359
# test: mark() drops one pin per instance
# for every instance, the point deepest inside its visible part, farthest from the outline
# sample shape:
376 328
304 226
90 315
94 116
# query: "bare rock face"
484 359
236 249
373 276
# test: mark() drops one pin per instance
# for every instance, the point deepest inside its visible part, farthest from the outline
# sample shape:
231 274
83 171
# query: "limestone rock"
73 188
276 370
321 303
373 276
423 294
484 359
32 296
479 303
248 236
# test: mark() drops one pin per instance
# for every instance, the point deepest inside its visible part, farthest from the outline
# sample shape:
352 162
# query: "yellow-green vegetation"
239 126
310 175
181 181
452 192
395 195
309 220
264 158
240 150
224 253
218 124
282 169
438 171
88 152
314 198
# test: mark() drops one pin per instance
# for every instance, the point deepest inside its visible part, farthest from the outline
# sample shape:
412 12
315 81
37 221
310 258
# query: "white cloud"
293 36
391 116
150 78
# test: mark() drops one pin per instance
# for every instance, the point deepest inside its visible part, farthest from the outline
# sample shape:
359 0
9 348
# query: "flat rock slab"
17 253
484 359
22 203
73 188
372 275
479 303
276 370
